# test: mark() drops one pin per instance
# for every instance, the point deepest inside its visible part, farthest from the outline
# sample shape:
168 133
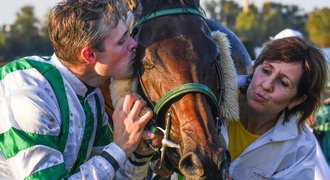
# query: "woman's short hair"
314 76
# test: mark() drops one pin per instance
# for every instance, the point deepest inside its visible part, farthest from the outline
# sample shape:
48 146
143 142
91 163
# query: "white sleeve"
100 168
134 168
304 167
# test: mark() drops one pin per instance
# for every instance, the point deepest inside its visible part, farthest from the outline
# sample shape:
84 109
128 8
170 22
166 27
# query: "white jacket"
280 153
44 132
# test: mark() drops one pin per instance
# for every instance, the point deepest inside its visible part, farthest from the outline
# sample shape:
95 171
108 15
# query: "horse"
239 53
180 75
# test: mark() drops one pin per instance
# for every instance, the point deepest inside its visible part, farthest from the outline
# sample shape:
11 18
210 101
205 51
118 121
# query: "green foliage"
254 27
229 12
24 37
246 24
277 17
223 11
318 27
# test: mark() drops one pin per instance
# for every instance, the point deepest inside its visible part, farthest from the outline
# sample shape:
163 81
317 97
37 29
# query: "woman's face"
274 87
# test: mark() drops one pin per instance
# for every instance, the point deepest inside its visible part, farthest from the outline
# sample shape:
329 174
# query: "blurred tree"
229 12
24 36
318 27
212 7
223 11
24 32
254 26
276 17
247 28
2 35
2 42
273 21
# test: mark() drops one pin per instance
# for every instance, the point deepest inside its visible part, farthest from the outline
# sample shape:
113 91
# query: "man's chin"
126 76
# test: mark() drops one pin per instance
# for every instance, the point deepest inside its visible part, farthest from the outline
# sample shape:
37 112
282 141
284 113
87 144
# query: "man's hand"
143 148
128 125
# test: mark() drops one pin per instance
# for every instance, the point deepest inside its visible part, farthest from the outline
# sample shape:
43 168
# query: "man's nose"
134 43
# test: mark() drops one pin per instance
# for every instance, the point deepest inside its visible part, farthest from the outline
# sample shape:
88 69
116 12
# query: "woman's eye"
266 71
283 83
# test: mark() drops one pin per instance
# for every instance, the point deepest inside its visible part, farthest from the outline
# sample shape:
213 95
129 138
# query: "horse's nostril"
191 166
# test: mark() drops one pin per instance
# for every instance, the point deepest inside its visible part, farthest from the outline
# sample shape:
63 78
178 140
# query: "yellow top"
239 138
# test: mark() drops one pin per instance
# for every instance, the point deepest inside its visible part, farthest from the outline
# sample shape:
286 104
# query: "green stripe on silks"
88 130
103 136
54 172
55 80
21 140
14 141
21 64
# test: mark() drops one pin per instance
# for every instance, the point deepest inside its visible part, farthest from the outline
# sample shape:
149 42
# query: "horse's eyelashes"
148 65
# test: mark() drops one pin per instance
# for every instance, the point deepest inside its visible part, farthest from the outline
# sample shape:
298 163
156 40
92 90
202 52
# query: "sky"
41 7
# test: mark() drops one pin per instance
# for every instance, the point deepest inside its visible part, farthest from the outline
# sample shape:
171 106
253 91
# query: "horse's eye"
147 63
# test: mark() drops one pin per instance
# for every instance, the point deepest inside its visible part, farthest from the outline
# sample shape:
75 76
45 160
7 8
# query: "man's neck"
86 74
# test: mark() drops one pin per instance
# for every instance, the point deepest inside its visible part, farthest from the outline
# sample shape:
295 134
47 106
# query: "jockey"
53 124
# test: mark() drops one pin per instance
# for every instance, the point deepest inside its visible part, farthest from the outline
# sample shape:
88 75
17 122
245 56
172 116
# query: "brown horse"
180 78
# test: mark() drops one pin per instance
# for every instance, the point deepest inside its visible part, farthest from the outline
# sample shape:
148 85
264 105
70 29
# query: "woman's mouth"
260 98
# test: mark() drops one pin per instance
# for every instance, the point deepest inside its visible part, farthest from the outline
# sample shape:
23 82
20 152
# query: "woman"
271 140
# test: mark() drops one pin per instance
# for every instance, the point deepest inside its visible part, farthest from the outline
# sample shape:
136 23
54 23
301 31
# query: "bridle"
176 93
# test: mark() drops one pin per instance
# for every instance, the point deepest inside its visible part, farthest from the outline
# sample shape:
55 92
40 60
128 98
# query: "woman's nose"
268 84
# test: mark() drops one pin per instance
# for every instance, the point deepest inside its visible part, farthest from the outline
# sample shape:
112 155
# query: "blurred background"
23 23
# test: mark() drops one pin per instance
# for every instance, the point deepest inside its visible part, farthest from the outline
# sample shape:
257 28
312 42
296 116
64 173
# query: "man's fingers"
154 138
148 135
120 103
138 105
128 103
145 118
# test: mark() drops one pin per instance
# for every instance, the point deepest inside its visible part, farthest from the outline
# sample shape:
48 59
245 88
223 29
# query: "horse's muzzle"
194 166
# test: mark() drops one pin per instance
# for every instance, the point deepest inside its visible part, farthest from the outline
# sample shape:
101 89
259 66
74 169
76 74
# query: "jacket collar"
78 86
286 131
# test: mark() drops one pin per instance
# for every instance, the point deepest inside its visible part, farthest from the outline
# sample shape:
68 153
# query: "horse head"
180 77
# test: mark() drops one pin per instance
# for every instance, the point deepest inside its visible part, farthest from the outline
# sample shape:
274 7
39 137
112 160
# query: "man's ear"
88 55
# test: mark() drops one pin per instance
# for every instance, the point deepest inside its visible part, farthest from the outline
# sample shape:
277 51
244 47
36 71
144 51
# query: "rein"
177 92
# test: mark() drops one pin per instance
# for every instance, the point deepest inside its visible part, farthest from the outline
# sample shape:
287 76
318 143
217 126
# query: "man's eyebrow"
124 35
